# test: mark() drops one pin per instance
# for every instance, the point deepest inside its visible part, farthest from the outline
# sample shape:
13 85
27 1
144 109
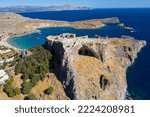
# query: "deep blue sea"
138 75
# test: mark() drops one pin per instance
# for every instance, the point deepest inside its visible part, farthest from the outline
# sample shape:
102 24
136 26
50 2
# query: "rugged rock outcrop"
93 68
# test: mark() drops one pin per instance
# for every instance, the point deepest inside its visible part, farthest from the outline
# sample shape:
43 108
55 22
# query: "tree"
26 87
34 67
9 90
34 79
49 90
18 68
17 91
31 97
25 76
42 75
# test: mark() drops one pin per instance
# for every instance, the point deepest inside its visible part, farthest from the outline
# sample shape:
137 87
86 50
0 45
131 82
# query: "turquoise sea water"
138 75
36 39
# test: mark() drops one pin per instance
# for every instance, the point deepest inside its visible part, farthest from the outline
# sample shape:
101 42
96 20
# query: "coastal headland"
84 68
93 68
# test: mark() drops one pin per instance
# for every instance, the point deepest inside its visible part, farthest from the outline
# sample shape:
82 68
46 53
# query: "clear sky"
89 3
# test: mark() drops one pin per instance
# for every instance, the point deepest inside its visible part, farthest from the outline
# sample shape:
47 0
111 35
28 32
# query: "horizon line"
72 6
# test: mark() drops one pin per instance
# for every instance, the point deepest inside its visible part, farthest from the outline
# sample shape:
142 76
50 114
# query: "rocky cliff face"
93 68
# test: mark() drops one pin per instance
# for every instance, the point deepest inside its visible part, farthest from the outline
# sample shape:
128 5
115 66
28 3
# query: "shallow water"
36 39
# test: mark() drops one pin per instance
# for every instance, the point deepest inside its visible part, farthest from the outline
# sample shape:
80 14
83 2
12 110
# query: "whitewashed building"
3 76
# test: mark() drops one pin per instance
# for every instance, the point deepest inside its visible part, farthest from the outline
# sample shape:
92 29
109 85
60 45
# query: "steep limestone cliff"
93 68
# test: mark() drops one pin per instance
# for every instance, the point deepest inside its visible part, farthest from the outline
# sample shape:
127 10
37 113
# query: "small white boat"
133 31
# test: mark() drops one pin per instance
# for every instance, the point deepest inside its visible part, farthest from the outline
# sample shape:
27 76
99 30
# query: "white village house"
3 76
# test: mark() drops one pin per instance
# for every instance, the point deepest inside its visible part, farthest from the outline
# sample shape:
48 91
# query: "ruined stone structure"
93 68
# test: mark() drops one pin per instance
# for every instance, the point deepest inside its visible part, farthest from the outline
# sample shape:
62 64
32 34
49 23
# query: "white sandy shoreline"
4 42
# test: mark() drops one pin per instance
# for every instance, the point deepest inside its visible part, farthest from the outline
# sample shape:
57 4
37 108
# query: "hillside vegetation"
33 68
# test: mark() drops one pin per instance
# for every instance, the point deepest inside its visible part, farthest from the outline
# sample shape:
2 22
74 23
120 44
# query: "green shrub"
17 91
26 87
34 79
49 90
9 90
34 67
31 97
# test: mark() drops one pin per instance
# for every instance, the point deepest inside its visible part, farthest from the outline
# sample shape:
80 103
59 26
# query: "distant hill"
40 8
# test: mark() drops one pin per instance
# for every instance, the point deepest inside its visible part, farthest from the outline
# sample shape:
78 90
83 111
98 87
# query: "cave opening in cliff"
103 82
86 52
